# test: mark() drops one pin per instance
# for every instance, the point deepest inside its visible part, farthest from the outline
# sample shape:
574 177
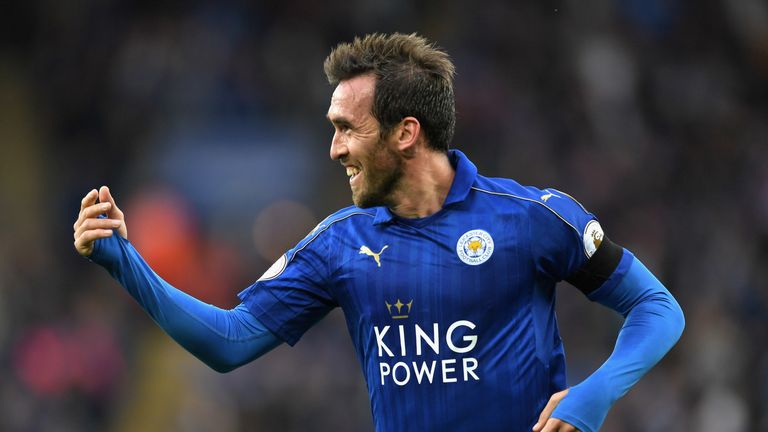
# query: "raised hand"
89 227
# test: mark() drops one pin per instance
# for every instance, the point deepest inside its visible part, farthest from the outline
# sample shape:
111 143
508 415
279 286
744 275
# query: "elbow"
671 316
672 313
223 368
677 320
222 365
667 315
227 362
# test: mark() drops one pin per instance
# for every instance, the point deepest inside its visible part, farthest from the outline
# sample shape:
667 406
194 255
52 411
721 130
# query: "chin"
366 201
362 203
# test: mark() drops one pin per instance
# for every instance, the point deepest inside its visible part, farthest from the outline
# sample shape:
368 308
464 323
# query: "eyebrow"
339 121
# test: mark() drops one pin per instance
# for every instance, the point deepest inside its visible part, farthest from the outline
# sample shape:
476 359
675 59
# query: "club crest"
475 247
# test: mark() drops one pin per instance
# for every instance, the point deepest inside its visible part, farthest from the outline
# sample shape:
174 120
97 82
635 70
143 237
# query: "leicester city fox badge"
475 247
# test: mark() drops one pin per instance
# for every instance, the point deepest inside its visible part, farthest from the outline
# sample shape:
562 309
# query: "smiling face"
373 166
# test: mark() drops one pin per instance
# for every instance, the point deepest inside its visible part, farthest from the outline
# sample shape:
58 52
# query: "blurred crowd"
207 122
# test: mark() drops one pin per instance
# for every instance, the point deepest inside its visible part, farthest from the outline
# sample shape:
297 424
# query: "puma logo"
548 195
376 256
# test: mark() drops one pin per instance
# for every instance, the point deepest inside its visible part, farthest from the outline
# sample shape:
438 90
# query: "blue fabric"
654 322
222 339
444 344
452 316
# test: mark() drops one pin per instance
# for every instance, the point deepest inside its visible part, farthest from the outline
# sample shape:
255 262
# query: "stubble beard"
382 178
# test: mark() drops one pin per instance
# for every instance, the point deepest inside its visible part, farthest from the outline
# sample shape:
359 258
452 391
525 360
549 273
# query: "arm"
654 323
222 339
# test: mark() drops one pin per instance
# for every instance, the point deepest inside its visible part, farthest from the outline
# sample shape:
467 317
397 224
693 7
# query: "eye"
341 126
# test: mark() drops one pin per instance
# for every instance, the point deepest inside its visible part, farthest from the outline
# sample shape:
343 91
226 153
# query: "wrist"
586 404
106 251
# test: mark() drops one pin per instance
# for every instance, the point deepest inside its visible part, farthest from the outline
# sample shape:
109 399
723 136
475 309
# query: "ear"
408 135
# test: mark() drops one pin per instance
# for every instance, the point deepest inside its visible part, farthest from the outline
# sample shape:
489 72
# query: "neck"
424 186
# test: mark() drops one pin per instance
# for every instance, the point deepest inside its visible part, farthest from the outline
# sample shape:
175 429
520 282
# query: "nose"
338 146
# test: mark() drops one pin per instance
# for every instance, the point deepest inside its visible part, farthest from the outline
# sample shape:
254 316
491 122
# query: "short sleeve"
564 235
293 293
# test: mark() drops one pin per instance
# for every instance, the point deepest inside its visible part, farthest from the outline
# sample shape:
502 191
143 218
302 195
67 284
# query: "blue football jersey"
452 316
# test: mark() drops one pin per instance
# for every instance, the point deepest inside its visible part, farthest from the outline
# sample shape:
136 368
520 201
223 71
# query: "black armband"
599 268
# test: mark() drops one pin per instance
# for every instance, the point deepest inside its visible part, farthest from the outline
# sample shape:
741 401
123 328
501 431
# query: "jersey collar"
466 173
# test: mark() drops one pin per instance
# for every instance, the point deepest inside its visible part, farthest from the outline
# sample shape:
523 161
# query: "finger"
96 210
114 213
105 196
94 223
554 400
90 224
84 243
89 199
557 425
545 413
553 425
92 211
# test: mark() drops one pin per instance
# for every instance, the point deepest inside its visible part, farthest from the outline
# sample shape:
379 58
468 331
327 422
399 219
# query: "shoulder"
342 219
345 217
315 243
541 204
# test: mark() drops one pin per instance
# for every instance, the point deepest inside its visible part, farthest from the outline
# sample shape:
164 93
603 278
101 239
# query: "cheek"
364 147
383 160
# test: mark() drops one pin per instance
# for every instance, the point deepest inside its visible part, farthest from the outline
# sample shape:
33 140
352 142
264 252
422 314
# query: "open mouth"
352 173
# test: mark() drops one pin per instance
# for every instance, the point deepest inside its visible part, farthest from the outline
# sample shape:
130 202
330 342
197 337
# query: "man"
446 277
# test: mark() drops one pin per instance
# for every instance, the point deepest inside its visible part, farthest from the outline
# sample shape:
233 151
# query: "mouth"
353 173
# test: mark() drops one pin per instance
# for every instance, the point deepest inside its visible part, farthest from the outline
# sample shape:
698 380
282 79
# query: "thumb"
106 196
114 212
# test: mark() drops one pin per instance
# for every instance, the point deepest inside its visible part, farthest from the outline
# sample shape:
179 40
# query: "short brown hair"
413 78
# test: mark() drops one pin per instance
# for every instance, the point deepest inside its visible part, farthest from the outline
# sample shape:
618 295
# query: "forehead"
353 98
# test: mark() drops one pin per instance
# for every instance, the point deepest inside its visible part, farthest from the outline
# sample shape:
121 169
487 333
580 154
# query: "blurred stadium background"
208 123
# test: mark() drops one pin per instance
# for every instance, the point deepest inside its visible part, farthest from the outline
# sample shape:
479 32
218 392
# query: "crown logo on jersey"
399 313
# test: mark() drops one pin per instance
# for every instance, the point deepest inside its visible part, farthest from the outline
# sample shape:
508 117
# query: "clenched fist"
89 227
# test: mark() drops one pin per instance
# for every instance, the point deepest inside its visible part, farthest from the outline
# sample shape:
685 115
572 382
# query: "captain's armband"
598 268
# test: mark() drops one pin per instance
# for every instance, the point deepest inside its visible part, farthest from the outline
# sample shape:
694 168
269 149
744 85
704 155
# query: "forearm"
654 323
223 339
